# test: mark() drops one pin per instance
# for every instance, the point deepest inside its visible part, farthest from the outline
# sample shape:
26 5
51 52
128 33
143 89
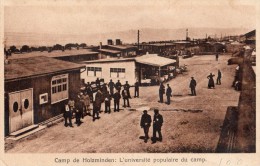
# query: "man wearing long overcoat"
161 92
157 125
145 124
168 94
193 86
97 104
116 97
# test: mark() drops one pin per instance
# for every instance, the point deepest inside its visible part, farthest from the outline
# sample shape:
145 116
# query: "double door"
20 109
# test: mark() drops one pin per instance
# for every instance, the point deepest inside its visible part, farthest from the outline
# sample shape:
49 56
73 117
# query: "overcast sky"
106 16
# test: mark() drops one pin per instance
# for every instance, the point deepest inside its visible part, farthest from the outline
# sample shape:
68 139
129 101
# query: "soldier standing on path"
118 85
127 87
145 124
117 97
193 86
157 125
125 97
86 101
111 86
168 94
78 112
219 78
137 89
97 105
89 91
107 97
161 92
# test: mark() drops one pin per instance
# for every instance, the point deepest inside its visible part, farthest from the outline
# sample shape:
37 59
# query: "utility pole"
187 34
138 38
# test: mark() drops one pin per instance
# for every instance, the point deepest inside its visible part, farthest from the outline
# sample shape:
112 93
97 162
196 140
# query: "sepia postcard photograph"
152 82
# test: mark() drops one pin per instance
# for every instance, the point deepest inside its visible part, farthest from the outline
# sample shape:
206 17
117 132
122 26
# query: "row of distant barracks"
39 84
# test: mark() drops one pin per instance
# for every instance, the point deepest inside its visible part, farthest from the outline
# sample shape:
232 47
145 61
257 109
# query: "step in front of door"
24 130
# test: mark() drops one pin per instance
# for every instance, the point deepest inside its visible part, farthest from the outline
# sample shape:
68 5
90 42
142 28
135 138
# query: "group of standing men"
81 105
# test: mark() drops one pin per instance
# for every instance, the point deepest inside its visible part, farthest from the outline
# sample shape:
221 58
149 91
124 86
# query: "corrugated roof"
154 60
54 54
35 66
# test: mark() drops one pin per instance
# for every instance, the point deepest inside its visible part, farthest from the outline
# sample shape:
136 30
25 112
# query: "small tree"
12 48
25 48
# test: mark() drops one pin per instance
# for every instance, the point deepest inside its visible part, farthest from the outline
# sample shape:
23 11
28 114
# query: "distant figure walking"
161 92
136 89
219 78
217 56
145 124
211 83
117 97
168 94
193 86
157 125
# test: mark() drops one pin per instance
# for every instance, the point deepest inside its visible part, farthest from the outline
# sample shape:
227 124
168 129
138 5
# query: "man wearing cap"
125 97
145 124
219 78
136 89
127 87
111 86
157 125
193 86
118 85
161 92
117 98
168 94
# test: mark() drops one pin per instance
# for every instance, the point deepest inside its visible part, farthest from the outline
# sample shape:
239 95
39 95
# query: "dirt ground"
191 123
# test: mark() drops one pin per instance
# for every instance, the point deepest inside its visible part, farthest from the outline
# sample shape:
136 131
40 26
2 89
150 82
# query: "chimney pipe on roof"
100 45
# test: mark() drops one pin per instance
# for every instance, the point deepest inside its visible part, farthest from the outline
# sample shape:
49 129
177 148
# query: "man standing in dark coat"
219 78
127 87
118 85
117 97
97 105
125 97
145 124
193 86
161 92
111 86
107 97
78 111
157 125
136 89
89 91
168 94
